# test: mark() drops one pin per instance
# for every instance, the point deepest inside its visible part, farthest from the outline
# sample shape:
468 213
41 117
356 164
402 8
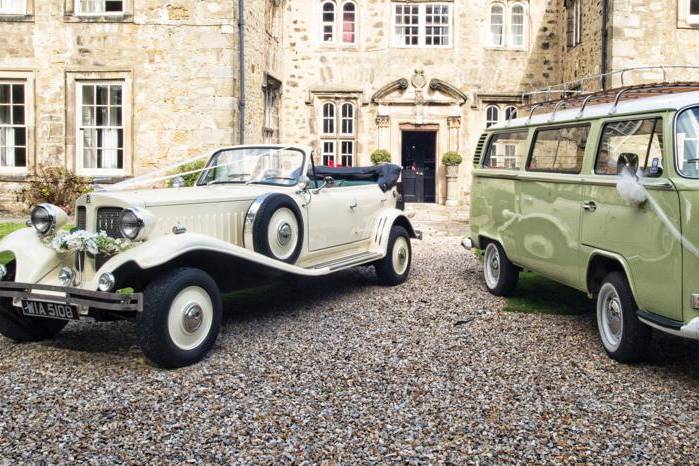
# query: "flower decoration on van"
83 241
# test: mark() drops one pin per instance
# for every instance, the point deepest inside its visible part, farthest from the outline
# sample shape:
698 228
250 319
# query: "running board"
349 261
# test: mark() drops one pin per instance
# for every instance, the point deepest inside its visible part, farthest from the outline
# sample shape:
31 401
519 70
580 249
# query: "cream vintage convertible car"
164 256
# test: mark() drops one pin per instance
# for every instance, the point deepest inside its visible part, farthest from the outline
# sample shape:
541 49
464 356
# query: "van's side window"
506 150
559 150
638 143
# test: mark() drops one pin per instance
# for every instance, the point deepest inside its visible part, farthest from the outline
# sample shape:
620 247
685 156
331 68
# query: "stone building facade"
415 78
113 88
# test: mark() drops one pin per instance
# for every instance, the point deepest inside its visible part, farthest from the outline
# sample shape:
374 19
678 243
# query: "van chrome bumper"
65 295
467 243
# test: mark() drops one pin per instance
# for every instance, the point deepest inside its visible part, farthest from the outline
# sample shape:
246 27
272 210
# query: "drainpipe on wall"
603 45
241 71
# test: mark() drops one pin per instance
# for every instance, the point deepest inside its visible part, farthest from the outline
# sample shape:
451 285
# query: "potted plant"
380 156
452 160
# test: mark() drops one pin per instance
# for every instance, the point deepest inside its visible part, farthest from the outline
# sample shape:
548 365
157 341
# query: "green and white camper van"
550 195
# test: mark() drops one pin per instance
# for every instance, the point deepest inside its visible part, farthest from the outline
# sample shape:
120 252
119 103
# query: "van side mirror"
627 161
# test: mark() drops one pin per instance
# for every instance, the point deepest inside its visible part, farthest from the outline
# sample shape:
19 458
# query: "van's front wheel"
181 318
500 275
624 337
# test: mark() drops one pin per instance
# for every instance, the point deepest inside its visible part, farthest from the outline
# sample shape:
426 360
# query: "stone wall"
314 71
653 33
178 59
583 59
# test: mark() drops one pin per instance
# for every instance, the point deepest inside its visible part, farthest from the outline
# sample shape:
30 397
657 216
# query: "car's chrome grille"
108 221
81 218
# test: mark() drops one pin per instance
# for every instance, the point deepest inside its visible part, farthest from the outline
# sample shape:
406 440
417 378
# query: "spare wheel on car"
274 227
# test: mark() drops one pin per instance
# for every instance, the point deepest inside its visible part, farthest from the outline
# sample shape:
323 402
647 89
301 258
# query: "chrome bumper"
58 294
467 243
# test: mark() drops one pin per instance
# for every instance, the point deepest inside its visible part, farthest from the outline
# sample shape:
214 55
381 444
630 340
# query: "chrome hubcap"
610 317
192 317
284 234
614 316
492 266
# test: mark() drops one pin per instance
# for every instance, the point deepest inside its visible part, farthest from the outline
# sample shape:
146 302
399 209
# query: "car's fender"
594 253
33 259
164 249
385 220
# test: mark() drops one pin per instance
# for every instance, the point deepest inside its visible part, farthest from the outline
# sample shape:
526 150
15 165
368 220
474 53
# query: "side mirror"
328 181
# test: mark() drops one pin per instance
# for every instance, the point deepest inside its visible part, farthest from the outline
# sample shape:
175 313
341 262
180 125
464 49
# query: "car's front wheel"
181 318
394 268
500 275
624 337
20 328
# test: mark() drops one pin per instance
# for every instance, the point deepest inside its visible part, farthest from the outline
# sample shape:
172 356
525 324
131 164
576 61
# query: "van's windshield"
687 130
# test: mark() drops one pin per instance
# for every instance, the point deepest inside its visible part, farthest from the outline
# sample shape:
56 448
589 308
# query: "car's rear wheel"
394 268
20 328
624 337
181 318
500 275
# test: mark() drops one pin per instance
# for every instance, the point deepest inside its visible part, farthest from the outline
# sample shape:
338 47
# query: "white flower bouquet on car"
83 241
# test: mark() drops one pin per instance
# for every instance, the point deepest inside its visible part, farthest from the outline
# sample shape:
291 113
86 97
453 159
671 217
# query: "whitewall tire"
394 268
274 227
181 317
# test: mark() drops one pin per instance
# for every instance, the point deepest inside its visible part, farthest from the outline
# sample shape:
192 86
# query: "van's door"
549 228
637 233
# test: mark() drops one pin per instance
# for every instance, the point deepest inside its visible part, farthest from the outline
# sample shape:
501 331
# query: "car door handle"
353 204
590 206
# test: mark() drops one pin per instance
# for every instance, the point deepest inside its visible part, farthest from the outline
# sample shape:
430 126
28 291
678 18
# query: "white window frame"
79 9
80 165
14 169
338 138
398 42
491 34
351 119
332 119
489 121
692 19
329 154
575 10
511 24
355 23
508 110
332 24
19 7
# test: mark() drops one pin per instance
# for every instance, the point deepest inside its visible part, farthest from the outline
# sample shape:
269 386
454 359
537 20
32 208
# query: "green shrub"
452 159
55 185
380 156
191 178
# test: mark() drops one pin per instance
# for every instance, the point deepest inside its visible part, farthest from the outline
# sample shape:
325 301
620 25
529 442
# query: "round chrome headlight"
66 276
106 282
47 217
132 223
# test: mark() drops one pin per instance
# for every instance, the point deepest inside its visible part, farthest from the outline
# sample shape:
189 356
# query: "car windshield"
687 130
265 165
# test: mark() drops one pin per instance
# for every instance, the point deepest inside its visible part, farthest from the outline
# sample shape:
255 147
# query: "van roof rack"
571 95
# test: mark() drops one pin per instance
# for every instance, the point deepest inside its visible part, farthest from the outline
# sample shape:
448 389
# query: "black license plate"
50 310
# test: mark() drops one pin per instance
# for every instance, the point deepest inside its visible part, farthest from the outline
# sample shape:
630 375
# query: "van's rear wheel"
181 318
624 337
20 328
500 275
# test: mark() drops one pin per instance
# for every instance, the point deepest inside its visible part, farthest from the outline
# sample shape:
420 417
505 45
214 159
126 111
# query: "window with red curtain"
349 23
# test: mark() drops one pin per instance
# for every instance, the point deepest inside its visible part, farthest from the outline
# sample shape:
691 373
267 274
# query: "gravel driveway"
341 370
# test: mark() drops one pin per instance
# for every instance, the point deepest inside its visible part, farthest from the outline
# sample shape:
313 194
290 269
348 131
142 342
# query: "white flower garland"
83 241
